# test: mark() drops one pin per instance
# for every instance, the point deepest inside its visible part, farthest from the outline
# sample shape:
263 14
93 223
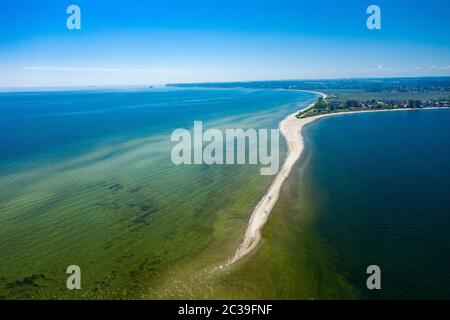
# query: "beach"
290 128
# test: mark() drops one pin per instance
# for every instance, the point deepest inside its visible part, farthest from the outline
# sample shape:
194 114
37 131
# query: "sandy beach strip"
291 128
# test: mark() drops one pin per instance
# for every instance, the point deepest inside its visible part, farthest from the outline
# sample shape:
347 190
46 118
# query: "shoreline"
291 128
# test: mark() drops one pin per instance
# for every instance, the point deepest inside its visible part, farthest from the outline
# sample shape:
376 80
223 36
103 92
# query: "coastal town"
324 106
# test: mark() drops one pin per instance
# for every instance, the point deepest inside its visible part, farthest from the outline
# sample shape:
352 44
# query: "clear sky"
136 42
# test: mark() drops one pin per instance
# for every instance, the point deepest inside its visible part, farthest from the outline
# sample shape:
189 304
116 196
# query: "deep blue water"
383 180
33 123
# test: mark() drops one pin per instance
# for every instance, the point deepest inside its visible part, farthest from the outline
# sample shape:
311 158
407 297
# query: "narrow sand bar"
291 128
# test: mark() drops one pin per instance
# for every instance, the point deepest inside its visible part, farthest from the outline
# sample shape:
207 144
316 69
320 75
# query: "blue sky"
137 42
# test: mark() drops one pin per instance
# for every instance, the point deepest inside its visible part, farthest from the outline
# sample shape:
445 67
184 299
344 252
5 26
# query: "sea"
86 179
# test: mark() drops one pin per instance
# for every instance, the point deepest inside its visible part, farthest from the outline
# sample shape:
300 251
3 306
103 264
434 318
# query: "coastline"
291 128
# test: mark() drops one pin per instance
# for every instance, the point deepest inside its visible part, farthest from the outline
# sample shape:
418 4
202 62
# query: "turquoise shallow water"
86 179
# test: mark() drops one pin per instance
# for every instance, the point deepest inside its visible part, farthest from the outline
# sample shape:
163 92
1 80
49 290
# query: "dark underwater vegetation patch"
30 281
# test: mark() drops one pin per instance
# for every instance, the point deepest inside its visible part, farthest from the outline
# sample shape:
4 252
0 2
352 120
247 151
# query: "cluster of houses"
387 104
330 105
436 103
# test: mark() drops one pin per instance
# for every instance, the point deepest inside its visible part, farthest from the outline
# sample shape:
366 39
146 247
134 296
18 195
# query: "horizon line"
100 86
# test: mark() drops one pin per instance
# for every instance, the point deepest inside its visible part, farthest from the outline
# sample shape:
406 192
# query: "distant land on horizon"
308 84
346 89
369 84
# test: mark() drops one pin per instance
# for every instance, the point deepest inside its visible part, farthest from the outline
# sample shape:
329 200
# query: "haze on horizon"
139 43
